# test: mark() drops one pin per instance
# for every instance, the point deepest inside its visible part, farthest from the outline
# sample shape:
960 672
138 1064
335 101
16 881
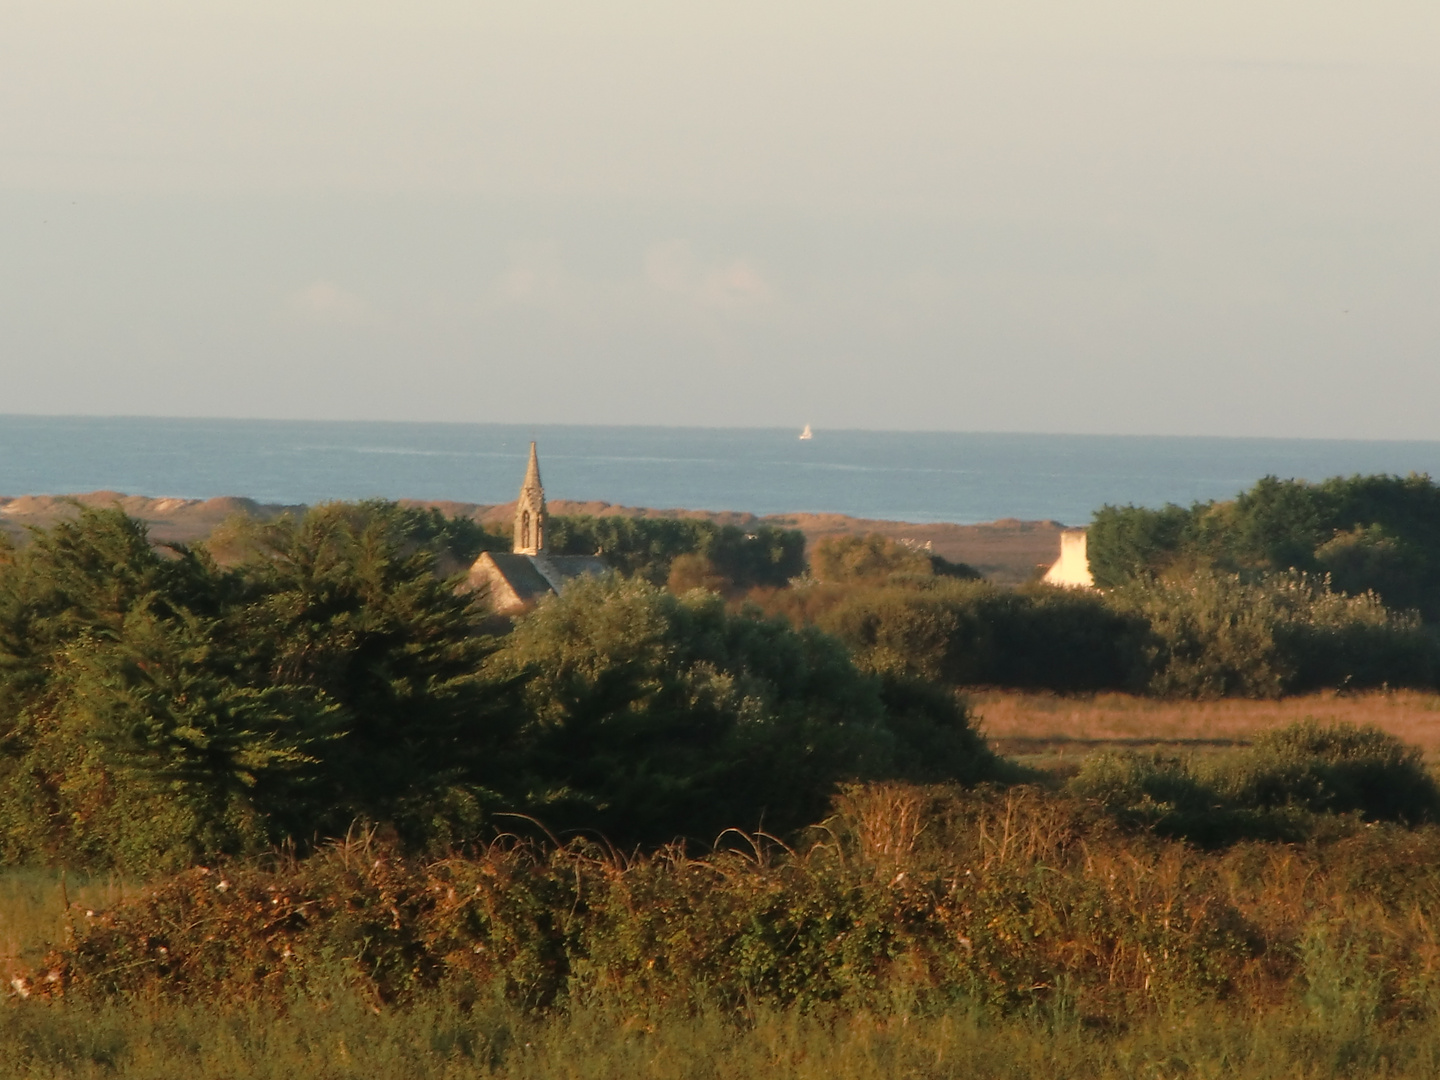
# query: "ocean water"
902 476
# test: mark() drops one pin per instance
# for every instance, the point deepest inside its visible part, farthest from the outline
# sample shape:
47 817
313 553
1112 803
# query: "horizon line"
820 431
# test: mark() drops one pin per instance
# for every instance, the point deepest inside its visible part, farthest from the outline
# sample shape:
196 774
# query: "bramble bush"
907 900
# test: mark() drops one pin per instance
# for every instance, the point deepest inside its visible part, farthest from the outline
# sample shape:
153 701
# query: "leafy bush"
1216 635
1270 790
655 716
903 631
885 950
1207 634
973 633
875 559
1335 768
695 571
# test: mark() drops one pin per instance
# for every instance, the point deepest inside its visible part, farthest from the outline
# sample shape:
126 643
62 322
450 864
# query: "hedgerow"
907 898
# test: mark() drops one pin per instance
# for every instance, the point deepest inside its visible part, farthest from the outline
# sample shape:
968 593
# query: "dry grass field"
1051 730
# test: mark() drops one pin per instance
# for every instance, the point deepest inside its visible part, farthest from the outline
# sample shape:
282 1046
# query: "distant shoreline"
1007 551
959 478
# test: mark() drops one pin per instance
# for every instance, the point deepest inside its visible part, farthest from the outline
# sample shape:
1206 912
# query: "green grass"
346 1037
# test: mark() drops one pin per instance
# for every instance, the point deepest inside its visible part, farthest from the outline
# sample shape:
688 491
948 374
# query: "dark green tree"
1369 533
1126 542
159 708
344 602
646 547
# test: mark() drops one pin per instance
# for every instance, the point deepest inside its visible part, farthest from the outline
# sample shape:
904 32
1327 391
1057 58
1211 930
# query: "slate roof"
516 582
566 567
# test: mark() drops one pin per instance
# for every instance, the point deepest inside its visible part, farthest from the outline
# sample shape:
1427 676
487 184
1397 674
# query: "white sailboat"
807 433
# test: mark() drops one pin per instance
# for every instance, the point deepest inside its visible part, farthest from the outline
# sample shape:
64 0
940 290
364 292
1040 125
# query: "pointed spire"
532 471
530 517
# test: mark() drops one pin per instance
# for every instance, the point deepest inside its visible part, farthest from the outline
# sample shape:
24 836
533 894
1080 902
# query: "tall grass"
343 1037
923 932
34 913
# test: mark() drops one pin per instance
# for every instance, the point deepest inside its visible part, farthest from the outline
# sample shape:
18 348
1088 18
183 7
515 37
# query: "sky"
1110 216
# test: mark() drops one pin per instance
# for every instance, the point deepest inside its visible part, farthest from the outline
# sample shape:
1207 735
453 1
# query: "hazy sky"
1123 216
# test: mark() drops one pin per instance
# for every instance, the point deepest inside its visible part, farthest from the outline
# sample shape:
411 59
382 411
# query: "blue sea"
901 476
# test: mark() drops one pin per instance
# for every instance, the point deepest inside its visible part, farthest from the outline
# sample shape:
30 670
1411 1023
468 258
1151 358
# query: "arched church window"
525 529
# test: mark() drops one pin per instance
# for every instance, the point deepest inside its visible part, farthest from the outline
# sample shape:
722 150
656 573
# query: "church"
529 572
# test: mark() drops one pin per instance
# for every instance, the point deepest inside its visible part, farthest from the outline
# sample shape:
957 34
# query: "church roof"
516 582
513 580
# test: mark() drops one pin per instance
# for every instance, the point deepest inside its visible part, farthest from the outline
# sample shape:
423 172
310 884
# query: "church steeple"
530 524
